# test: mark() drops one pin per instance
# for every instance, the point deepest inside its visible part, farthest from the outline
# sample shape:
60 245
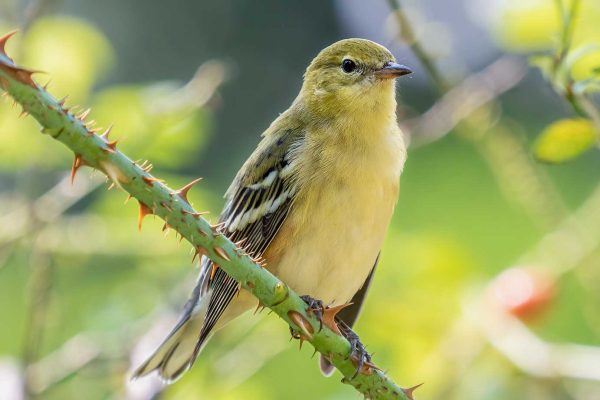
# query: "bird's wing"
258 202
349 315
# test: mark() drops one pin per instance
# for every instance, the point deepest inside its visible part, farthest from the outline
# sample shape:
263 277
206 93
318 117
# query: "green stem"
172 206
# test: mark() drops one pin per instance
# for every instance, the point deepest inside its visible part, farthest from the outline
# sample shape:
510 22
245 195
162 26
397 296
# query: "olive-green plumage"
320 187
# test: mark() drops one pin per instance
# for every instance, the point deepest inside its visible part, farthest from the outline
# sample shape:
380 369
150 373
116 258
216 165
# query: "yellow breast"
329 242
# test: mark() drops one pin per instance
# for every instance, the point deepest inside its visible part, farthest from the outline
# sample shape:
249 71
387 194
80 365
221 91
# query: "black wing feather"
258 235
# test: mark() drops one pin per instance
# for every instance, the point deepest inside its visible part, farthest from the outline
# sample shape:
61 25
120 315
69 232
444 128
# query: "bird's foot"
325 315
358 353
315 307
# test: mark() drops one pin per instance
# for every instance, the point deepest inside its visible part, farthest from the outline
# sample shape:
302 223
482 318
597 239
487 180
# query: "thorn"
148 168
221 253
196 215
84 114
129 196
184 190
111 147
217 227
149 180
45 87
239 243
106 133
409 391
202 233
301 322
77 163
20 74
62 101
199 252
144 210
23 113
4 40
329 317
165 205
213 270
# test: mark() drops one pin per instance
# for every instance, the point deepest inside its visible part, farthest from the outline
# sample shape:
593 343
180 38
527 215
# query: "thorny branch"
100 152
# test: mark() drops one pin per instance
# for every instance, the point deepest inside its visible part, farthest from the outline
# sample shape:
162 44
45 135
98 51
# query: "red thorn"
199 252
20 74
213 270
329 317
144 210
409 391
4 40
62 101
221 253
301 322
149 180
184 190
77 163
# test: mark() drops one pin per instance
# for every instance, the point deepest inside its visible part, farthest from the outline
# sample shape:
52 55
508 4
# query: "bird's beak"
392 70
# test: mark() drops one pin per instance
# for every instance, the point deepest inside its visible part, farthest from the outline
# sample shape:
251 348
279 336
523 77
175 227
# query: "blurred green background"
488 286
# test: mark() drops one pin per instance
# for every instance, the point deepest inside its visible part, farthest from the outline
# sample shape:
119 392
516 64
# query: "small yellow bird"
314 200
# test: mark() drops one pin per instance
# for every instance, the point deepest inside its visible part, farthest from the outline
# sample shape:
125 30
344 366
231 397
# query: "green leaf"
564 140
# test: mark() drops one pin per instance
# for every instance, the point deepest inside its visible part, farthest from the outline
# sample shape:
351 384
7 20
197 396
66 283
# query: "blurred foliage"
85 297
565 139
567 31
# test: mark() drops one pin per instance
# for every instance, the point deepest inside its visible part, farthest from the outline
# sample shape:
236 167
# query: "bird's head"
352 74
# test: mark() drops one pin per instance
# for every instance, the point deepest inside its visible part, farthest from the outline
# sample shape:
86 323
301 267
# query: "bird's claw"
358 353
316 308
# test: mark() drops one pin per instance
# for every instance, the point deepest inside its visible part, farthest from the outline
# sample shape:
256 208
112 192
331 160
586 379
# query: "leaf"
564 140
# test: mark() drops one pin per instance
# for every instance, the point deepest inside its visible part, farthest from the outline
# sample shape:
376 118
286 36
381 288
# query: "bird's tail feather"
177 353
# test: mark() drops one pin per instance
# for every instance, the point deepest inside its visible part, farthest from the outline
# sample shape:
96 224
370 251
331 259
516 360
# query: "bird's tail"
178 352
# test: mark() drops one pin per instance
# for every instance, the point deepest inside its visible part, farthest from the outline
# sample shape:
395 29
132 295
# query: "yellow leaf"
565 139
529 25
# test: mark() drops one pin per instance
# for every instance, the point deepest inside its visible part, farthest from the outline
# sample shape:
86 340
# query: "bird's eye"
348 66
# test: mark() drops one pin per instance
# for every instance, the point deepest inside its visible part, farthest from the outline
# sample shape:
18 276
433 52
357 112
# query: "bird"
314 201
